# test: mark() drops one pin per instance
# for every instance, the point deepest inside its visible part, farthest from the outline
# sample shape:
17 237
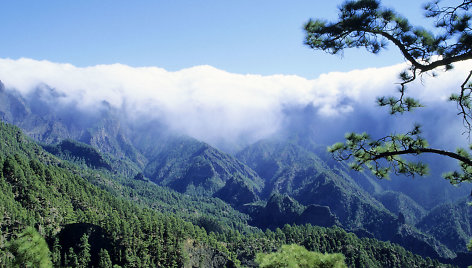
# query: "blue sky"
244 36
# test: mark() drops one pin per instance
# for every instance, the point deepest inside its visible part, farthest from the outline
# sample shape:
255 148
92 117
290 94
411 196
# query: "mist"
233 110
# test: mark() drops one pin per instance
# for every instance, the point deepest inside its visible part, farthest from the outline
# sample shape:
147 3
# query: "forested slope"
39 190
49 194
270 183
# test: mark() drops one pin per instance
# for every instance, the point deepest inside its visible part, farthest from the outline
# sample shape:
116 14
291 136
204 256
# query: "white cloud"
214 105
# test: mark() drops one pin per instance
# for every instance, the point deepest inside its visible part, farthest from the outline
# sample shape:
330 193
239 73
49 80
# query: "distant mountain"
290 169
428 192
401 204
181 163
187 165
44 117
450 223
272 182
299 173
57 197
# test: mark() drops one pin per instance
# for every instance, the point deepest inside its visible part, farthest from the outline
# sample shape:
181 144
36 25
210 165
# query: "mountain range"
286 179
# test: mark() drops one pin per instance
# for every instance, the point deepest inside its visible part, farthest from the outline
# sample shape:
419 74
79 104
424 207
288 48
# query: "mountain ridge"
294 167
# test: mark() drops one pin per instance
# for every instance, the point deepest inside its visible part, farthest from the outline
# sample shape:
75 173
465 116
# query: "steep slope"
180 163
237 192
78 152
429 191
42 191
57 197
140 190
270 158
293 170
364 180
46 117
451 224
400 203
187 165
282 209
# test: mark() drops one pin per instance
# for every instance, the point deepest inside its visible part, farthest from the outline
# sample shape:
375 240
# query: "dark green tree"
104 260
365 23
30 250
84 253
56 252
71 259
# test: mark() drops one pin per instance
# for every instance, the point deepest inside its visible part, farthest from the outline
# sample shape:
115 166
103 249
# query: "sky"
244 36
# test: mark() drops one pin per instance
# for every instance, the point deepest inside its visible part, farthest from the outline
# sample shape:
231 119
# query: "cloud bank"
221 107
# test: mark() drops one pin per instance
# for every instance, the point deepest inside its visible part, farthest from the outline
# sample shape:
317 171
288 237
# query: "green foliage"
358 252
38 189
365 23
401 204
71 258
188 207
56 252
84 254
300 173
210 224
41 190
30 250
450 224
104 261
192 167
383 156
367 152
295 256
456 177
142 192
79 153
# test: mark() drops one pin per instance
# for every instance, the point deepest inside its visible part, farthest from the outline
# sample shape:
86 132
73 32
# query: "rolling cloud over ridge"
221 107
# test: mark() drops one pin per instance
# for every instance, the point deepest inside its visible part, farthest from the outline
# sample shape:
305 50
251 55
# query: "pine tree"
56 253
84 253
71 260
366 23
104 259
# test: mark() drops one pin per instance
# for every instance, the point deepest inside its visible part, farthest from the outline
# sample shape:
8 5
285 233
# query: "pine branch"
463 159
